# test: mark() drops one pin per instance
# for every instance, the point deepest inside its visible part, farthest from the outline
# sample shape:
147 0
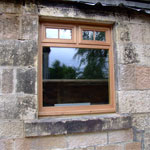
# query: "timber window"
76 70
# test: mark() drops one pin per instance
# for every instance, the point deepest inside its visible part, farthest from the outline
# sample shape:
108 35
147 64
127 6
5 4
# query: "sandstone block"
133 146
29 27
146 49
27 107
126 77
110 147
122 33
9 144
83 140
11 129
2 110
18 53
30 8
1 24
11 26
128 53
0 81
8 49
1 7
27 53
134 101
7 81
2 146
146 33
136 33
19 107
85 148
146 140
6 144
46 143
82 124
26 80
120 136
12 7
142 77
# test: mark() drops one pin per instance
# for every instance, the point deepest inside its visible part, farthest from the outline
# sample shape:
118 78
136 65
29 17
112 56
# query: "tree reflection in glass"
75 75
99 36
88 35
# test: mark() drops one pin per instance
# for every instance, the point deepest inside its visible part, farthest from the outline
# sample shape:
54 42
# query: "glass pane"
75 76
51 33
65 34
99 36
87 35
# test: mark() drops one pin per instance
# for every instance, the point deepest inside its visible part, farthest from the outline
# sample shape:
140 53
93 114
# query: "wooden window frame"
77 43
95 42
58 26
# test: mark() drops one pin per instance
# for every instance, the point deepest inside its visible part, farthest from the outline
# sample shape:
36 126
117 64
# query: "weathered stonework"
18 53
29 28
7 81
10 26
18 107
45 127
26 81
20 127
131 101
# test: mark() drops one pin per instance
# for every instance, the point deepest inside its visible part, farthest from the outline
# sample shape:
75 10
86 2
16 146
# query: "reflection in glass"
75 76
87 35
51 33
99 36
65 34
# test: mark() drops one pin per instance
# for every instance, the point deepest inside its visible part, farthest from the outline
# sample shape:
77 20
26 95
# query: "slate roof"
138 5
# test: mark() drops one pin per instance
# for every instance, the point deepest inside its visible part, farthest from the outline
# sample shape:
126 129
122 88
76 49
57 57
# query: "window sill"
77 124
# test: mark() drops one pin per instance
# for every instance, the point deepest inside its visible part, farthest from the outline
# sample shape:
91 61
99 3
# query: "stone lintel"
79 124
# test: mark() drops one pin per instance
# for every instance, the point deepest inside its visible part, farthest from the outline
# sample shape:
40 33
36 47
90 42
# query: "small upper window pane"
65 34
99 36
87 35
51 33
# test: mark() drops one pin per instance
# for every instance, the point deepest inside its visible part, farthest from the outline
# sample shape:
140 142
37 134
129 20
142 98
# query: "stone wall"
18 77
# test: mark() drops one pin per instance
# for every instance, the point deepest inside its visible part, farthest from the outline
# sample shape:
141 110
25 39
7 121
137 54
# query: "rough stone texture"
133 77
141 121
120 136
7 81
130 55
143 78
46 143
0 81
8 50
11 26
11 129
133 146
6 144
18 53
12 7
18 107
27 107
126 75
1 24
134 101
45 127
29 28
81 140
26 80
110 147
27 54
30 8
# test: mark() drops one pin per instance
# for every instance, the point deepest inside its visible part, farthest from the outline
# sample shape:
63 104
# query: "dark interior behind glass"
75 76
